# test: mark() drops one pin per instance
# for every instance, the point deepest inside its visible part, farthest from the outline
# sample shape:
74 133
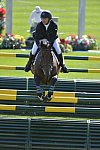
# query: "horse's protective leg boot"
64 68
30 61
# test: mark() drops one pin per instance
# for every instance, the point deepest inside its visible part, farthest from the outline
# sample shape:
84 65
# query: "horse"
45 69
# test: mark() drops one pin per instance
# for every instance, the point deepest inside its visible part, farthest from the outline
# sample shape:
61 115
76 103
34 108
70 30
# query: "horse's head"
45 46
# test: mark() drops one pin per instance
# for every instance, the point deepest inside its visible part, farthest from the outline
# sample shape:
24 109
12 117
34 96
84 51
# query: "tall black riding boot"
64 68
30 61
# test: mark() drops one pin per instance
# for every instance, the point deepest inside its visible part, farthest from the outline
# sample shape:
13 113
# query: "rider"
46 29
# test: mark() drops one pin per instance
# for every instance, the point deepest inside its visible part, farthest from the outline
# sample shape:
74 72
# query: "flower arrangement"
2 18
10 41
65 47
62 44
87 42
2 12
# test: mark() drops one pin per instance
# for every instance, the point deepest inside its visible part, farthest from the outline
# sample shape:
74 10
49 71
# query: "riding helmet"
46 14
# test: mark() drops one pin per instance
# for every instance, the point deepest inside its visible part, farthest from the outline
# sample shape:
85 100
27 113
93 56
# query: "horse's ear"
41 43
49 45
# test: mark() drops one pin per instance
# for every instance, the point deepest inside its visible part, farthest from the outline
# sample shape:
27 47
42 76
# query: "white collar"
46 26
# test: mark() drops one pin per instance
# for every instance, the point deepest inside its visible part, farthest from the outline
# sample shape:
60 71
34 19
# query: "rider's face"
45 21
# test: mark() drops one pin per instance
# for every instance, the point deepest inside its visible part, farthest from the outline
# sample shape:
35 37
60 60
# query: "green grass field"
84 64
66 10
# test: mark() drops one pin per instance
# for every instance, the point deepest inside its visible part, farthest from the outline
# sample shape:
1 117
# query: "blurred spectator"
35 18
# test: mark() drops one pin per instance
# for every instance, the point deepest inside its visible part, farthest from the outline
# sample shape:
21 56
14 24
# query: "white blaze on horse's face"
45 21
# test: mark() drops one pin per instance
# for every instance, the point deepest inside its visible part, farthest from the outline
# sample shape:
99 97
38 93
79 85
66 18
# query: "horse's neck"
46 52
48 56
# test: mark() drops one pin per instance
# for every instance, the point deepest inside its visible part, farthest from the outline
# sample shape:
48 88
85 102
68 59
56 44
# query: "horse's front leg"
39 90
51 89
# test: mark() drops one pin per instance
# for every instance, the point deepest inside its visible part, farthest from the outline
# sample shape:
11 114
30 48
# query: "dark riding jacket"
50 34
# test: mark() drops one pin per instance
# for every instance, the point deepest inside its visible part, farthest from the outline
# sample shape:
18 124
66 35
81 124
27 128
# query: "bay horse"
45 69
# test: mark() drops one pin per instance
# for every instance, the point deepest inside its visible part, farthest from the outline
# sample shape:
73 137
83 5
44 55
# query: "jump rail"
65 57
49 134
23 83
56 93
50 109
5 67
55 100
14 55
78 98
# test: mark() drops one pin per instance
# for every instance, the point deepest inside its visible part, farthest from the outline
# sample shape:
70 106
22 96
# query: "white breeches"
34 48
55 45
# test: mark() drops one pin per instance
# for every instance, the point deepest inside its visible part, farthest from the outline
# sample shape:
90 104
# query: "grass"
84 64
66 10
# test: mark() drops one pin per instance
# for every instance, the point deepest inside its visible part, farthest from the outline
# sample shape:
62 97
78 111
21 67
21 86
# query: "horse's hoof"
50 94
40 98
48 98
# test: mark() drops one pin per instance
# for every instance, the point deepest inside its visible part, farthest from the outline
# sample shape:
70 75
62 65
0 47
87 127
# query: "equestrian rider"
46 29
